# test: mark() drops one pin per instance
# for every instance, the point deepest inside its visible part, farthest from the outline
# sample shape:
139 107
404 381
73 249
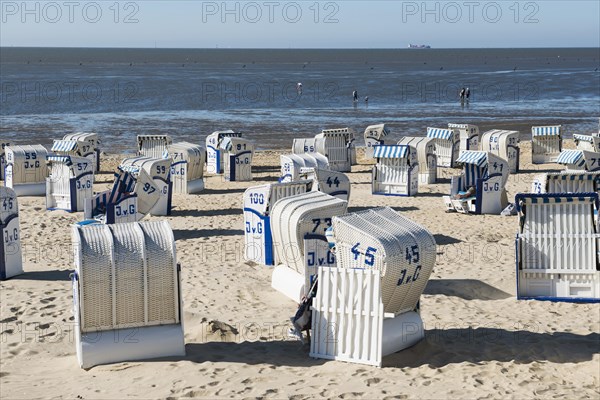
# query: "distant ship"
419 46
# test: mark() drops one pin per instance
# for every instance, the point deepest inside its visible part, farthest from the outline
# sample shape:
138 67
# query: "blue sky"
300 24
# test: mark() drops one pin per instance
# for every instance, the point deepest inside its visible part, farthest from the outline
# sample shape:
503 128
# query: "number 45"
412 254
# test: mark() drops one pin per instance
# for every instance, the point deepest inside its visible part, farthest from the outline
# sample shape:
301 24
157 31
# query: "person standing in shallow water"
467 93
462 95
355 96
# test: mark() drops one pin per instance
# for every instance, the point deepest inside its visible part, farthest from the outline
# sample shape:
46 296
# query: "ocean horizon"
188 93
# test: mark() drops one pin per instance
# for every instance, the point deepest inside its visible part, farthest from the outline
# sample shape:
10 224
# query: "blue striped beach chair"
132 196
579 160
159 169
88 146
557 254
447 145
488 174
587 142
546 143
396 172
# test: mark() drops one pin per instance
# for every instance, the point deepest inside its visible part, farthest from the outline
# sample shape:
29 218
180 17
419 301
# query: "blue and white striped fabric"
438 133
472 173
545 130
570 157
583 138
392 151
133 169
64 145
63 159
478 158
124 183
522 199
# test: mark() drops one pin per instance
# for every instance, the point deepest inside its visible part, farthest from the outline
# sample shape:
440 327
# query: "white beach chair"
132 197
153 146
292 164
187 168
70 183
426 157
295 220
214 154
126 293
160 171
88 146
258 203
504 144
447 145
557 247
367 305
3 144
587 142
26 170
566 182
333 183
374 136
11 261
469 136
237 160
338 146
546 143
488 174
304 145
396 172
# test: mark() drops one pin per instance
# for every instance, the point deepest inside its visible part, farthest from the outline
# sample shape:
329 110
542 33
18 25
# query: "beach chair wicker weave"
11 261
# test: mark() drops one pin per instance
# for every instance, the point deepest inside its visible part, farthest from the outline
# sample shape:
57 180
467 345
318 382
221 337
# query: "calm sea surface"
189 93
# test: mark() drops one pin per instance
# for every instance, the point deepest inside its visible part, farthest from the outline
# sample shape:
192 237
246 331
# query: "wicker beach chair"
374 136
294 220
132 197
488 174
447 145
237 160
557 247
333 183
566 182
579 160
425 156
214 154
126 285
153 146
258 204
469 136
587 142
187 168
367 305
159 169
396 172
292 164
504 144
546 143
3 145
26 170
303 145
70 183
338 146
88 146
11 262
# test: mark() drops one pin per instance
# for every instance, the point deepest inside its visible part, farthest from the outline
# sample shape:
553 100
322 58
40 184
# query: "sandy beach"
480 341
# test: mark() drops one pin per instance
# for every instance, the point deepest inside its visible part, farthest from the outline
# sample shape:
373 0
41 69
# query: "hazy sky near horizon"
300 24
